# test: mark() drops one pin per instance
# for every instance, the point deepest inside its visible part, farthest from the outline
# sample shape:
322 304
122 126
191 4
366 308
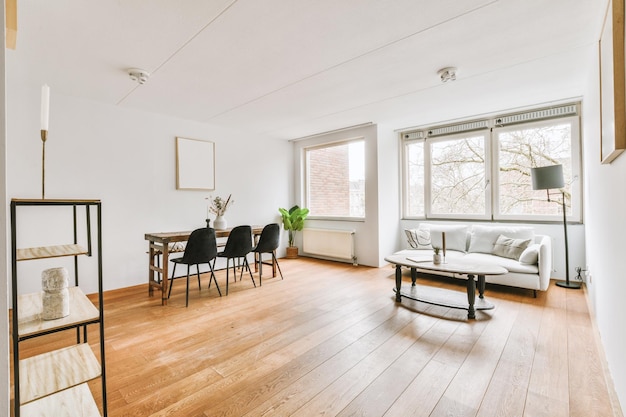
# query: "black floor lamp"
547 178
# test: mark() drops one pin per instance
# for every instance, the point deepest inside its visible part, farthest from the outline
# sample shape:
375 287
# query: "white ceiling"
290 68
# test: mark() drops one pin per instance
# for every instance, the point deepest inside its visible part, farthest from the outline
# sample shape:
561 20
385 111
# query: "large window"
335 179
484 172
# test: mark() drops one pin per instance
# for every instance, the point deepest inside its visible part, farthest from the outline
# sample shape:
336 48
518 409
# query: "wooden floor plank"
330 340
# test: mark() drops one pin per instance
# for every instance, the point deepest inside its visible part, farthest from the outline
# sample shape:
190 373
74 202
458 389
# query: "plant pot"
292 252
437 259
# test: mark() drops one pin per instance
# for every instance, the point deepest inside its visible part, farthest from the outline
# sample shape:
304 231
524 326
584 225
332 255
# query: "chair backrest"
201 246
270 238
239 242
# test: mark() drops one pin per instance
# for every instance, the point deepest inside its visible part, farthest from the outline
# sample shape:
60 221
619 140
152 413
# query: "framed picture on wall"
195 164
612 83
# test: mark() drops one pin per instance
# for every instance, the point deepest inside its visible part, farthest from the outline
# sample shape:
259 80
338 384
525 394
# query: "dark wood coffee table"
453 299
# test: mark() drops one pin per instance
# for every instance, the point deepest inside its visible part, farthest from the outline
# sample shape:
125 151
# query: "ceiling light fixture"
447 74
138 75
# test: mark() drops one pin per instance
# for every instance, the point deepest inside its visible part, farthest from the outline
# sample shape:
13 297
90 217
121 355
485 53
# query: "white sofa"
527 257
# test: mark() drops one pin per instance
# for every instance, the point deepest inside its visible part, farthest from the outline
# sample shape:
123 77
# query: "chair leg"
246 264
227 267
198 271
187 292
260 268
277 265
169 292
214 279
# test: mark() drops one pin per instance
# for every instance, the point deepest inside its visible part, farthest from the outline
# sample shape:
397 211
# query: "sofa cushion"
530 256
482 238
418 238
456 236
510 248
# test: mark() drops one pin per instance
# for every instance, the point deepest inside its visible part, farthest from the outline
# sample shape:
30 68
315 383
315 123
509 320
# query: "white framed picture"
195 164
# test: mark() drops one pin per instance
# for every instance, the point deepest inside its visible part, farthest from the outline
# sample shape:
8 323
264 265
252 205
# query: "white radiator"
329 243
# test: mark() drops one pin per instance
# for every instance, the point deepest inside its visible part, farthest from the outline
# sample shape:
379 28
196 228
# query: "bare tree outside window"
414 188
458 176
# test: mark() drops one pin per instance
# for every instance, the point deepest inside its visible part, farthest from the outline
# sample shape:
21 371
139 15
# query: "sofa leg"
535 293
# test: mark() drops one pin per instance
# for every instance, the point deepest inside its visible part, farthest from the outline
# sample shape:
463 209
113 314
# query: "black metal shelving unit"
72 367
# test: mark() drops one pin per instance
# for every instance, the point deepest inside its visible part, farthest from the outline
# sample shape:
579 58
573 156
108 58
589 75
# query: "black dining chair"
201 249
268 243
238 245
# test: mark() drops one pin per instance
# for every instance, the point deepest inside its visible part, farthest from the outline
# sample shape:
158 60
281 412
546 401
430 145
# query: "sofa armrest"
545 261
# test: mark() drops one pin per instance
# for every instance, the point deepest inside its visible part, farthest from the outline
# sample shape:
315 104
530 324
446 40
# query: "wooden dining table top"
167 237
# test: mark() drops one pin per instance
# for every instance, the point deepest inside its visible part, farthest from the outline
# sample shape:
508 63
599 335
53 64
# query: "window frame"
428 174
576 163
492 167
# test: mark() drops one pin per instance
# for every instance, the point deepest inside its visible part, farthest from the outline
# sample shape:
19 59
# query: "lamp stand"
566 283
44 136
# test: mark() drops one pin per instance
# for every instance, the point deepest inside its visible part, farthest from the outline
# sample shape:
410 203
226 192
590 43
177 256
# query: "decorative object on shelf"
436 255
547 178
45 118
218 207
208 222
56 297
612 89
293 221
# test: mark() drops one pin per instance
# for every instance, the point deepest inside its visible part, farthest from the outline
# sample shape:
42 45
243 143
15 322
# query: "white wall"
605 204
389 171
4 269
126 158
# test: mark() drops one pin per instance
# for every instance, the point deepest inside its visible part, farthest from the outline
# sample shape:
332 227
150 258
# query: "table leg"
398 283
413 276
481 286
150 269
471 296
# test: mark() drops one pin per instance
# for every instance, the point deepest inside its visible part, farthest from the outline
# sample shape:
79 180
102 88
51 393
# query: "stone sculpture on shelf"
56 297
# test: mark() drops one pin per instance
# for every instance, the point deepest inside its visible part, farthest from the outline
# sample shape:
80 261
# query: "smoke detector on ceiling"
138 75
447 74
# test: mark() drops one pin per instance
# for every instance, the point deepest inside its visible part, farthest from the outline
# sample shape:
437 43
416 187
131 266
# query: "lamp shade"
545 178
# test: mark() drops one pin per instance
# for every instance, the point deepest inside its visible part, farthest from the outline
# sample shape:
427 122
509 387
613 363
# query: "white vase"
220 223
436 259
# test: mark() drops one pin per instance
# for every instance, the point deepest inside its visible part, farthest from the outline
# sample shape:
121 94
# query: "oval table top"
457 266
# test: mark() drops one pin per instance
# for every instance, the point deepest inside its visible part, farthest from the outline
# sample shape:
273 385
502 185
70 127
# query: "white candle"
45 106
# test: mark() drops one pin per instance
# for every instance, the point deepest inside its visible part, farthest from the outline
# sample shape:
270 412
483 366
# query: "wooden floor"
330 340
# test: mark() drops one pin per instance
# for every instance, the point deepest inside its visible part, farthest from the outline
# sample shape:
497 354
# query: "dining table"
162 244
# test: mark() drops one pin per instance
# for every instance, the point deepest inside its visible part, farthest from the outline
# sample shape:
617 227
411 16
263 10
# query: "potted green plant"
293 221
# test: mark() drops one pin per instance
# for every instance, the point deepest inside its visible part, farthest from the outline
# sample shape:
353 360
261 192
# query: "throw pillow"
510 248
530 256
418 238
483 237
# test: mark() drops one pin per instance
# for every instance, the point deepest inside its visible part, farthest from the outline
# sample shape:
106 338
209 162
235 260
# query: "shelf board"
30 308
55 251
73 402
57 370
